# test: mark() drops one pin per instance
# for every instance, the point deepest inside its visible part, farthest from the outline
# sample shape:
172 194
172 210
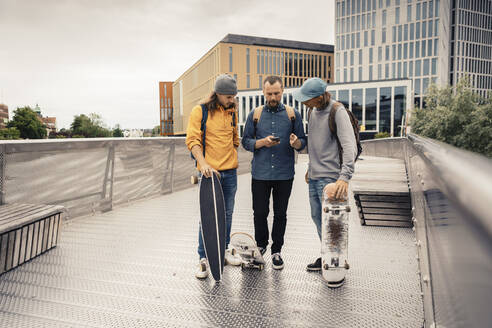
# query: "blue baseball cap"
312 88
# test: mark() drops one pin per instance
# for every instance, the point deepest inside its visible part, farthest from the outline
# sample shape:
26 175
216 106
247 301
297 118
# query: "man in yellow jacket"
220 155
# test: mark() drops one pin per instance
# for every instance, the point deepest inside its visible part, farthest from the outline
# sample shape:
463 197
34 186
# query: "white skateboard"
334 242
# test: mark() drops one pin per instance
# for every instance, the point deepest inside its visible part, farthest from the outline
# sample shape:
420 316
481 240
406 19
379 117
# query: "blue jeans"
228 180
316 200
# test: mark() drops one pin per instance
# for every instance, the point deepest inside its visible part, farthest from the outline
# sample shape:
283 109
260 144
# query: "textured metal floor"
134 267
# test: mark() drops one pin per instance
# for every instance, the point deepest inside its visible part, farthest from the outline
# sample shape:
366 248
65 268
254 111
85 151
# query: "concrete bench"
27 231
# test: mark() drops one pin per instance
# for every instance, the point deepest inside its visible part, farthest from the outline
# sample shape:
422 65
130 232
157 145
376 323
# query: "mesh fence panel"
87 176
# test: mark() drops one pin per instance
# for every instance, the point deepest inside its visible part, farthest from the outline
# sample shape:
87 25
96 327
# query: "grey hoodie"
323 150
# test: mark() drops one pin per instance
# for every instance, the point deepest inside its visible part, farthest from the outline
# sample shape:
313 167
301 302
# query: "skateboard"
334 241
245 246
213 224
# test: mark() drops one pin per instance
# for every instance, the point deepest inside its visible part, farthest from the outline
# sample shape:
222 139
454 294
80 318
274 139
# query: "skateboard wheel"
326 209
242 266
326 267
347 208
261 267
347 266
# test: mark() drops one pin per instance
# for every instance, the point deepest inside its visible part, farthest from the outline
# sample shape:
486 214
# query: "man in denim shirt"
272 165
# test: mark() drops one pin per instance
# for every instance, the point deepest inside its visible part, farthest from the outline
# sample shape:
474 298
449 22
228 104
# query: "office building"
4 116
432 41
249 60
380 106
166 108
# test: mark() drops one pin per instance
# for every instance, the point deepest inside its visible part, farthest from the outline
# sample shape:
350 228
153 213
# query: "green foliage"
117 132
462 119
27 122
382 135
91 126
9 134
156 131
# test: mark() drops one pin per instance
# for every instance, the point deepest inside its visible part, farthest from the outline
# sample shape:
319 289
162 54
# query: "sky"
107 57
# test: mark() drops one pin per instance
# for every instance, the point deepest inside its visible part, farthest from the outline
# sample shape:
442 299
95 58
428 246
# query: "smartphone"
275 139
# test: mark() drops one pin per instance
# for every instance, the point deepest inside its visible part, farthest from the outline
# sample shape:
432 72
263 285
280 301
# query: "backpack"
203 127
333 129
257 115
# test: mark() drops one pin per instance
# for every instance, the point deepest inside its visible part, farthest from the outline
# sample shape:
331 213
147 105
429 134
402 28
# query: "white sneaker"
232 258
202 271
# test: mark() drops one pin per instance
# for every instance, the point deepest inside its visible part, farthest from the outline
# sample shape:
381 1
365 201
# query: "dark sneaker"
316 266
262 250
277 262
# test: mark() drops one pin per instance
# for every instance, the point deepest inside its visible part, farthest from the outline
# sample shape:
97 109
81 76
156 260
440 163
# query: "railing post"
3 165
109 170
169 168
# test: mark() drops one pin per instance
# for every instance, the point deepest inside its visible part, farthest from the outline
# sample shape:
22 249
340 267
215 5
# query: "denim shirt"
277 162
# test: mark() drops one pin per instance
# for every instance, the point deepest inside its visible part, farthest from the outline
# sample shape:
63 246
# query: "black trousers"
261 190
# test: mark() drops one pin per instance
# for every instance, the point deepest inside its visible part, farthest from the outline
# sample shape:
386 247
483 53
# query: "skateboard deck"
213 224
245 246
334 242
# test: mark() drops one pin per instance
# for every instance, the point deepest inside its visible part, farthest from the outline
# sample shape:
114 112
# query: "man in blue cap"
325 164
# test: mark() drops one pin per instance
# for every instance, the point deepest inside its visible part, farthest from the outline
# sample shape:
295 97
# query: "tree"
27 122
91 126
117 132
156 131
461 118
9 134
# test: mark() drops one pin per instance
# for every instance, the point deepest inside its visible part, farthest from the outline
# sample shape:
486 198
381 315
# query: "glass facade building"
428 41
380 106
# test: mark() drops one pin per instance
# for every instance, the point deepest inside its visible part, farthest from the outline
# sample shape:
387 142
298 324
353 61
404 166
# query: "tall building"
166 108
249 59
432 41
4 116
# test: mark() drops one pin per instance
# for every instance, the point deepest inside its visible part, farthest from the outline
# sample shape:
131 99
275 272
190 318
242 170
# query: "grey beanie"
225 85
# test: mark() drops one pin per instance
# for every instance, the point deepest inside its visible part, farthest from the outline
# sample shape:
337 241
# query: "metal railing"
91 175
451 193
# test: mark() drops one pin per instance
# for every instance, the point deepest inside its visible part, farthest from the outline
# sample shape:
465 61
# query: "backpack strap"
203 126
333 127
292 115
256 117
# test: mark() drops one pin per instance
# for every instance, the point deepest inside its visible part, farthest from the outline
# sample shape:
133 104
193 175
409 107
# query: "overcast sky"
84 56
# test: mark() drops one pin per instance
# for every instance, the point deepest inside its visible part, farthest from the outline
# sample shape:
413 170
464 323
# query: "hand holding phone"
275 139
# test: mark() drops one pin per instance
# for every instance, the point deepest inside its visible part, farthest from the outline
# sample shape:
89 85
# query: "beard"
273 103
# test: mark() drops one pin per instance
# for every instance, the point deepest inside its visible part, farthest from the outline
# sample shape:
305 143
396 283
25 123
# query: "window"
230 59
434 66
384 18
387 53
397 15
345 62
247 60
424 30
380 54
410 69
383 35
417 49
399 51
360 73
412 30
394 34
357 104
405 74
399 33
351 74
399 103
426 67
418 67
385 110
409 13
386 71
429 47
262 65
423 48
260 83
417 12
360 56
431 29
351 57
371 103
405 50
417 31
373 37
248 82
393 70
424 10
366 37
405 32
370 55
394 52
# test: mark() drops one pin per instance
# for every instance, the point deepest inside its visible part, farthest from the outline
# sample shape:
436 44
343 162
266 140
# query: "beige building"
249 59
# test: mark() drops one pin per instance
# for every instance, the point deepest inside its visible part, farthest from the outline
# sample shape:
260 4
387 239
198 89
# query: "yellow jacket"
221 139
